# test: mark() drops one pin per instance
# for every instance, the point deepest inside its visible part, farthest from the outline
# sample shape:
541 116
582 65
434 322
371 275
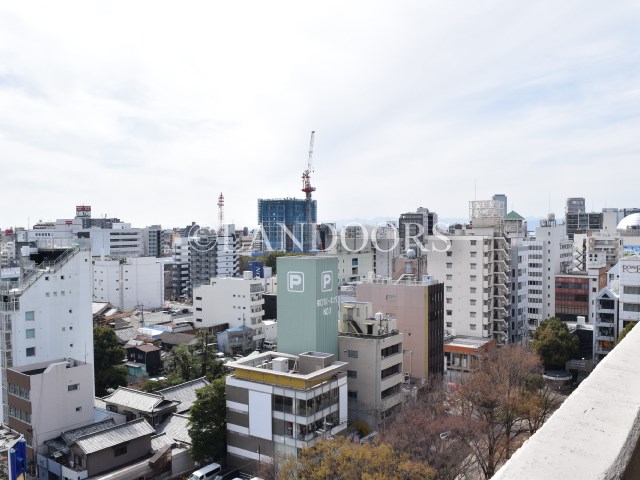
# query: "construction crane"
220 214
308 189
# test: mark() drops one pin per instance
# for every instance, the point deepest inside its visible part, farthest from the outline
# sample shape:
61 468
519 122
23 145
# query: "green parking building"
308 304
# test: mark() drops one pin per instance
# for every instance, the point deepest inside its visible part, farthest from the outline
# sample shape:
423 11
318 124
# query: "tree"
491 399
189 363
625 330
430 431
207 422
554 343
107 361
538 403
338 458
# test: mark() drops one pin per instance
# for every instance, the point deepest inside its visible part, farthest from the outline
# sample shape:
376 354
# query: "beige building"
418 307
278 404
372 346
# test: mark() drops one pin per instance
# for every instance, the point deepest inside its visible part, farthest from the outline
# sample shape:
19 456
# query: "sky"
148 110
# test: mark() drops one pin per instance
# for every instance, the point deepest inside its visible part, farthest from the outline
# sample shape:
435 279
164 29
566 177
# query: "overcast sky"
148 110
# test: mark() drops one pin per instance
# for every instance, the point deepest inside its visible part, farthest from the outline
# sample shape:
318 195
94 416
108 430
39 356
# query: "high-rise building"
414 228
501 197
308 304
45 313
578 220
475 270
283 223
152 241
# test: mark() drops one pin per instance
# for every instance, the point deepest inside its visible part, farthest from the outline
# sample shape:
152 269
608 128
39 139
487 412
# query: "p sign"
326 280
295 282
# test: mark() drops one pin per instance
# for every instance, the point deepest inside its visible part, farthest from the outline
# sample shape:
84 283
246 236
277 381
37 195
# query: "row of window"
19 414
19 391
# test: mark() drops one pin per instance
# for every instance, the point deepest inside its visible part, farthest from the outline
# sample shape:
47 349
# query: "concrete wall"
595 433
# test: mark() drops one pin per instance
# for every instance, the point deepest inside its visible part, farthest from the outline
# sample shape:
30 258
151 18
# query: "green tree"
107 361
207 422
625 330
554 343
184 363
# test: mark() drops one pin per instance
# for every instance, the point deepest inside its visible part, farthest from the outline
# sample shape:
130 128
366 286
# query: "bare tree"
491 400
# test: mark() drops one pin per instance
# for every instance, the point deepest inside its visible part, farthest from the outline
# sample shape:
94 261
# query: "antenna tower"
221 213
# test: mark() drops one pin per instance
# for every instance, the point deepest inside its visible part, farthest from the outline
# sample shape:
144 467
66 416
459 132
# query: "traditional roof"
139 401
513 215
145 347
111 437
62 442
172 338
185 393
176 427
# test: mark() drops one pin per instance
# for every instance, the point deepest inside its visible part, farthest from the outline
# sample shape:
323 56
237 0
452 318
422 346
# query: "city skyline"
148 113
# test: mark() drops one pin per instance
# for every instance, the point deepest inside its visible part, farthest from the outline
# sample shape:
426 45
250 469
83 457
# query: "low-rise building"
49 397
279 403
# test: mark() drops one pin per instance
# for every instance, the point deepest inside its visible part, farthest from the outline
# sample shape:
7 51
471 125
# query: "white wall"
54 407
226 300
137 281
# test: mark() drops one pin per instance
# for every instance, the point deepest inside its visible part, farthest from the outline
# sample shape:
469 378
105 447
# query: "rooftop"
467 342
113 436
184 393
137 400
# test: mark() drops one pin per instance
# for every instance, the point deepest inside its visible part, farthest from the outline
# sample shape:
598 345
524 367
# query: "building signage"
295 282
83 211
8 273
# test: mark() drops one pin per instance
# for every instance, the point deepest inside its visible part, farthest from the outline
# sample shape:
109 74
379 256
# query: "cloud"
148 111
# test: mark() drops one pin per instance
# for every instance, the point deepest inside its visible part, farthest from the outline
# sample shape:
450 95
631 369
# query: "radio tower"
221 214
307 189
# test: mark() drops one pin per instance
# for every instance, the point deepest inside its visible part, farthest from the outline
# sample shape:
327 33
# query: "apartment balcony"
564 447
390 381
11 306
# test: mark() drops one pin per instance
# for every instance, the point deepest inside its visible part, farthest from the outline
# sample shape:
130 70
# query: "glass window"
31 332
29 316
31 352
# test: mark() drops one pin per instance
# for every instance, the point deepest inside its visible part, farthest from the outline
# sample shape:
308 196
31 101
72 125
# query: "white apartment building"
355 256
550 253
121 241
46 314
279 403
130 282
60 229
230 301
48 398
474 268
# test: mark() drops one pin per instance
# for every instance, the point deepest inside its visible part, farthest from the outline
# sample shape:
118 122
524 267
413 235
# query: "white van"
206 473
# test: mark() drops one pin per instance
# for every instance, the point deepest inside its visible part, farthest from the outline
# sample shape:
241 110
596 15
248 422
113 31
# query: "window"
472 301
472 266
472 278
472 326
73 387
472 314
449 312
30 332
352 394
472 289
352 374
449 324
473 254
78 409
29 316
449 265
31 352
449 253
391 298
473 242
449 288
198 298
449 300
449 276
631 290
352 353
120 450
